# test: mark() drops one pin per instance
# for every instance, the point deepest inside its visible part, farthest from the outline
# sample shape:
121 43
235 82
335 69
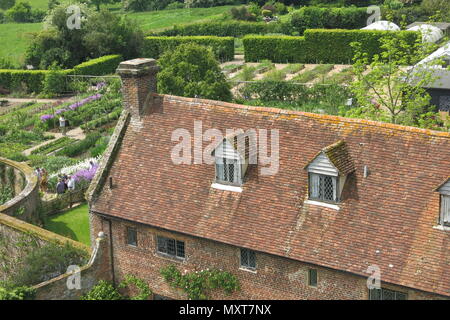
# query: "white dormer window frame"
324 180
323 188
444 205
228 167
444 217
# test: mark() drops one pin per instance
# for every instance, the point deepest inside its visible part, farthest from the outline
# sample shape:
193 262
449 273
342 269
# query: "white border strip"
226 187
323 204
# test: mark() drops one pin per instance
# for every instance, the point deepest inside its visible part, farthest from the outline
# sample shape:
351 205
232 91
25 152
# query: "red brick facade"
276 278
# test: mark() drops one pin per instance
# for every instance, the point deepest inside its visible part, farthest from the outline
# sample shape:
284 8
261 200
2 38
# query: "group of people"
65 183
42 175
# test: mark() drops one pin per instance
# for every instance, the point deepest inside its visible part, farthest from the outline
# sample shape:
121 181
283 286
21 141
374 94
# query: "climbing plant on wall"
197 284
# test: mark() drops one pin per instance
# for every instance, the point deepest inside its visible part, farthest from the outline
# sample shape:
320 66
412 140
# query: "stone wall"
63 201
96 269
275 277
24 182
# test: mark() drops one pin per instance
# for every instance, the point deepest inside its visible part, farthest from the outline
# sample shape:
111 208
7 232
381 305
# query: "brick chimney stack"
138 82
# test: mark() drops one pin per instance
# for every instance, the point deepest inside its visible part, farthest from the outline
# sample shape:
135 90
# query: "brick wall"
275 277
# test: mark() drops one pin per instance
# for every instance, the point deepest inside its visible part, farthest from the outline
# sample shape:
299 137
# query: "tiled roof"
385 219
338 155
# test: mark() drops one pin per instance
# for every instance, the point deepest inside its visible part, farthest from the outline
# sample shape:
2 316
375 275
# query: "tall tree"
192 70
6 4
390 87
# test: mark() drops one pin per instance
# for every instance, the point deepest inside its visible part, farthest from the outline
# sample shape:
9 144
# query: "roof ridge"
372 123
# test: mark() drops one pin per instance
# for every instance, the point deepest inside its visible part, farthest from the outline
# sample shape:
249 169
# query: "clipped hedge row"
33 80
99 66
328 18
275 48
317 45
26 80
223 47
221 29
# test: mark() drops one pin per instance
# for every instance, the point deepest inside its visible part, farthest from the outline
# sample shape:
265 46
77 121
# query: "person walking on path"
62 125
71 183
44 180
60 187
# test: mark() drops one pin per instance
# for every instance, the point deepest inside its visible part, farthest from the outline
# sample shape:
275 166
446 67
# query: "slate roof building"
347 197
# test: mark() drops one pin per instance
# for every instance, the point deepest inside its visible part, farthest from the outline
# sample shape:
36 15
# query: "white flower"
82 165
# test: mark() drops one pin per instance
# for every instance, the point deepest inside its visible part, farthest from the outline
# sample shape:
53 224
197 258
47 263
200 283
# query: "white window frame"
221 165
315 189
247 266
444 217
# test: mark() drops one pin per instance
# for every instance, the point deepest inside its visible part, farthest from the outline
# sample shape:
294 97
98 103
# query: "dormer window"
328 172
444 216
228 171
231 161
445 210
322 187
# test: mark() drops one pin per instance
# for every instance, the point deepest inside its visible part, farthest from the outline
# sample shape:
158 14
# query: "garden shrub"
275 48
18 293
222 29
318 45
42 263
103 290
333 46
80 147
52 80
99 66
328 18
223 47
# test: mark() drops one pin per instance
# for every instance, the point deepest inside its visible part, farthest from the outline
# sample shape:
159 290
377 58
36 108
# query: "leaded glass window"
322 187
445 210
386 294
170 247
248 259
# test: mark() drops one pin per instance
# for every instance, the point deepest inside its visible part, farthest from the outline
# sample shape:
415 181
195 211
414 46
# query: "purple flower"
85 174
100 85
47 117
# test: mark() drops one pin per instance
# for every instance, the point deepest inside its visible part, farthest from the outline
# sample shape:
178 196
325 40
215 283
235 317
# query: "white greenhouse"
429 33
382 25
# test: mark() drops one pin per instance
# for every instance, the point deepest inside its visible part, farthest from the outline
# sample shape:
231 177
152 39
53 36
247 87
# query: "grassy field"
15 36
14 39
73 223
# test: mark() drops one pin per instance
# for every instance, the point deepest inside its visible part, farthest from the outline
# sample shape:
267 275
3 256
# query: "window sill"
225 187
248 270
323 204
170 258
442 228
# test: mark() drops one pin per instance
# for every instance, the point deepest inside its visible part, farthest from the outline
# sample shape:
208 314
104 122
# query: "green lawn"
15 36
73 223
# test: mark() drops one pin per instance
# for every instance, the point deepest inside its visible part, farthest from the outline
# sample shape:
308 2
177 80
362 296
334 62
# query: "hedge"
33 80
221 29
99 66
328 18
223 47
333 46
279 49
317 46
27 80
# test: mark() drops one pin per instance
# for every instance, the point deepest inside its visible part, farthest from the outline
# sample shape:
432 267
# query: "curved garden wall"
25 188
